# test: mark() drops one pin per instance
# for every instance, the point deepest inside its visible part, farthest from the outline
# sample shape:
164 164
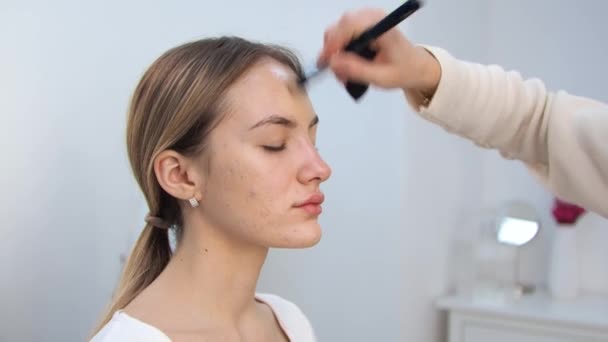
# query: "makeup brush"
361 45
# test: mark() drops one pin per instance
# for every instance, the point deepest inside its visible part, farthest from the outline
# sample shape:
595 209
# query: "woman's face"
263 172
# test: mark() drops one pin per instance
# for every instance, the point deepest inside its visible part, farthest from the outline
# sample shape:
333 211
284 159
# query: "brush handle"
360 45
355 89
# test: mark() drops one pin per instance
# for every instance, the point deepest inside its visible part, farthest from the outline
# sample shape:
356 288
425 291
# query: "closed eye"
274 148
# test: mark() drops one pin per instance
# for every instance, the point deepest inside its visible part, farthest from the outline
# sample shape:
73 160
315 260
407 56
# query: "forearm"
563 138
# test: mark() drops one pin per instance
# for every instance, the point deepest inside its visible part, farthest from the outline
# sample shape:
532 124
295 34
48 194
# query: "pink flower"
566 213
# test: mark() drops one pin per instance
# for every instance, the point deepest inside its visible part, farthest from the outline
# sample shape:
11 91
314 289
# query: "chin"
303 236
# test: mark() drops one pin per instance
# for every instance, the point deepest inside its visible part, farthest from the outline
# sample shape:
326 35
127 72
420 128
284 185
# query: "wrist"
429 76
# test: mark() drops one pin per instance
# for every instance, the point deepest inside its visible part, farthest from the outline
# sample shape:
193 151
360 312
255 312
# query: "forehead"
271 73
269 87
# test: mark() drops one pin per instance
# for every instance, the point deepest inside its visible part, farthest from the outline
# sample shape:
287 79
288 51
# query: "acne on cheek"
262 203
257 196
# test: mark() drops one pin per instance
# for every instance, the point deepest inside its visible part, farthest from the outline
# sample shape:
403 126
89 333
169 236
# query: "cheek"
251 197
249 189
266 208
265 189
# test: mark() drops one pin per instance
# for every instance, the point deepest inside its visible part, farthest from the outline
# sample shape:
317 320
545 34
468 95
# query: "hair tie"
157 222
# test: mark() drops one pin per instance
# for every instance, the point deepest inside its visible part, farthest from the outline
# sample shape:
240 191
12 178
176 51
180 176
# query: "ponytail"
147 260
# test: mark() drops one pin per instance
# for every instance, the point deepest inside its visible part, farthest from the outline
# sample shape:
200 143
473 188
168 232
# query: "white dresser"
534 318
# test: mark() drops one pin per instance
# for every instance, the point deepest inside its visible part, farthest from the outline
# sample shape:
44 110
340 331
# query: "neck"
213 275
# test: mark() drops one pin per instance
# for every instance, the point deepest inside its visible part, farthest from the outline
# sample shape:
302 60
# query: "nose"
314 168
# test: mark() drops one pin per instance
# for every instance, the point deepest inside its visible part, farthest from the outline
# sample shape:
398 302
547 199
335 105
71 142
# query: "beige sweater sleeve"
562 138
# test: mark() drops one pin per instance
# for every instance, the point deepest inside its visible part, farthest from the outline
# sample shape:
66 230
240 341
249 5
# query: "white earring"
193 202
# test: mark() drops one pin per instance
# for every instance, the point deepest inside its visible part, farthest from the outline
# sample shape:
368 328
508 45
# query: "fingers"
351 25
350 67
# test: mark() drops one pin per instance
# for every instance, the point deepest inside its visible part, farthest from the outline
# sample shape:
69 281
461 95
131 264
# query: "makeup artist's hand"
398 63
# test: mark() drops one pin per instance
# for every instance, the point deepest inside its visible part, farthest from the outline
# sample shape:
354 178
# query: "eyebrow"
283 121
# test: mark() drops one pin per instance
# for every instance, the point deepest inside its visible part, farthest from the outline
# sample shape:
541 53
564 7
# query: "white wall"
564 44
560 42
69 202
442 175
401 187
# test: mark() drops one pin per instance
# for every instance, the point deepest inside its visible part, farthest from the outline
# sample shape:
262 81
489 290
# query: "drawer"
467 328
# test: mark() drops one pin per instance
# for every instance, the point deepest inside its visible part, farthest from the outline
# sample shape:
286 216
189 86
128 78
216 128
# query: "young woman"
222 143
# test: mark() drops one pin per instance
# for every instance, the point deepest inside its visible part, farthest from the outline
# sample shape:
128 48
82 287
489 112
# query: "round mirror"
517 224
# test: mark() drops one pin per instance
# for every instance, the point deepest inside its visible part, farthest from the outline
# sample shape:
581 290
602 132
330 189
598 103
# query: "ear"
178 175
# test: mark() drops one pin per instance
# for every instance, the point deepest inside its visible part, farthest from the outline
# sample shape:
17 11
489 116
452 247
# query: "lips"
312 204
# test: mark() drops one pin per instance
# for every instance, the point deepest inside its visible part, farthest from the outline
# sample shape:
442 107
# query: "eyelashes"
283 146
280 148
274 148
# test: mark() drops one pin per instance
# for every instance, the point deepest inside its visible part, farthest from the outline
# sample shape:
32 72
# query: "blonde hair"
178 101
